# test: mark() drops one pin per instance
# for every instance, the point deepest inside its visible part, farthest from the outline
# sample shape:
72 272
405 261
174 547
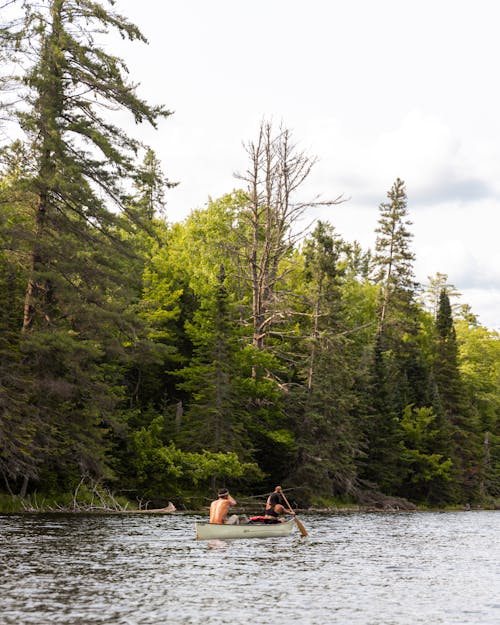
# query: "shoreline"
299 511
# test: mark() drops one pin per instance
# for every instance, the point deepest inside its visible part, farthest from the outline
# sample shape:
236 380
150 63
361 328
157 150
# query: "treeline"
166 359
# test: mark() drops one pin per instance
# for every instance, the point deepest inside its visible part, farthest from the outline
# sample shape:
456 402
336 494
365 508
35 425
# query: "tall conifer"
77 259
327 439
457 418
213 419
399 374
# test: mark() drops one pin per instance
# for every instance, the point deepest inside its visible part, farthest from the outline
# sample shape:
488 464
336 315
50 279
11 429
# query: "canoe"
209 531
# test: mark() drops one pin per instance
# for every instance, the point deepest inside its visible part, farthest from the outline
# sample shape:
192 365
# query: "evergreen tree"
213 419
399 371
150 184
458 421
427 464
433 290
327 440
148 235
18 420
399 316
73 304
446 367
393 258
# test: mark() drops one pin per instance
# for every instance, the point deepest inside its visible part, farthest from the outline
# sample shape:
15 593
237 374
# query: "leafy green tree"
208 238
161 469
179 278
250 387
479 364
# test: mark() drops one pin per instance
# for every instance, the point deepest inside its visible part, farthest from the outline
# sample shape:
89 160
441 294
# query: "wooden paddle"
301 527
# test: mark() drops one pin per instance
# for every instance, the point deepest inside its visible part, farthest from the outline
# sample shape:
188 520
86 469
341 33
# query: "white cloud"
375 90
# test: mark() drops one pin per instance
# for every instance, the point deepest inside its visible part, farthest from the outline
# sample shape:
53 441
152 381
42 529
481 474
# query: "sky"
374 90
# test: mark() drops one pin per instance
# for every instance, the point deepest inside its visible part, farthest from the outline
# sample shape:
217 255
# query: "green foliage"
426 470
71 167
323 405
168 359
215 416
163 470
150 184
393 257
479 366
400 371
459 420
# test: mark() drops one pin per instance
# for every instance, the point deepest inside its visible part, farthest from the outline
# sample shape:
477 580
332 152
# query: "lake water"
369 569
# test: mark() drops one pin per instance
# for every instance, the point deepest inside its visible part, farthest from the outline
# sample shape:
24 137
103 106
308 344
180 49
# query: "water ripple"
363 569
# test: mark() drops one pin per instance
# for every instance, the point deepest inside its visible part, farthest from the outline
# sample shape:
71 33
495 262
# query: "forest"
159 361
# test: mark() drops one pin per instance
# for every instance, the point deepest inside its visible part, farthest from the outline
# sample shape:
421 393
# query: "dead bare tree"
277 169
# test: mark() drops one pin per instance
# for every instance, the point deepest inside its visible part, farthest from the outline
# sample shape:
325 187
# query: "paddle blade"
301 527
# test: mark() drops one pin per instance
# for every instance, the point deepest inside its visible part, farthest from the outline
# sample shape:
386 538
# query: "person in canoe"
274 506
274 510
220 507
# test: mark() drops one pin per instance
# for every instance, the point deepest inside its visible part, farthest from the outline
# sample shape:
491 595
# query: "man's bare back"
220 507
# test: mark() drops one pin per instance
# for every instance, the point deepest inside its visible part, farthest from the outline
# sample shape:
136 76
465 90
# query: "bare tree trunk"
179 410
385 299
34 290
314 343
486 464
24 487
51 105
7 484
277 169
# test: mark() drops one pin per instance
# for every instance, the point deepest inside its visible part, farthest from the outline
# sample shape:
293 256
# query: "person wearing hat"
220 507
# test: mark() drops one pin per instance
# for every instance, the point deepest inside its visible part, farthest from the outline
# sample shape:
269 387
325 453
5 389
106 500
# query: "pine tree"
148 234
150 184
73 305
399 372
464 442
393 259
213 419
327 439
18 420
433 290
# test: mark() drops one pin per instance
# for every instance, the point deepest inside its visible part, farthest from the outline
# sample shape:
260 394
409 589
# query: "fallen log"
167 509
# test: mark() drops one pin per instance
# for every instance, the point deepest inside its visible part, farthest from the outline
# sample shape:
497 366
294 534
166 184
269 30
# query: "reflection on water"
369 569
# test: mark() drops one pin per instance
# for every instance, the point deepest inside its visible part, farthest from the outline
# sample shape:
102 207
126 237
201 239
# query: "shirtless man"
274 506
220 507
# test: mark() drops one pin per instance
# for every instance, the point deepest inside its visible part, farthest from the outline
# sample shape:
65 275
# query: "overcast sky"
376 90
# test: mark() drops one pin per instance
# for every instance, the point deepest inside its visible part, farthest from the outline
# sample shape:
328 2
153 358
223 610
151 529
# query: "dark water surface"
370 569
